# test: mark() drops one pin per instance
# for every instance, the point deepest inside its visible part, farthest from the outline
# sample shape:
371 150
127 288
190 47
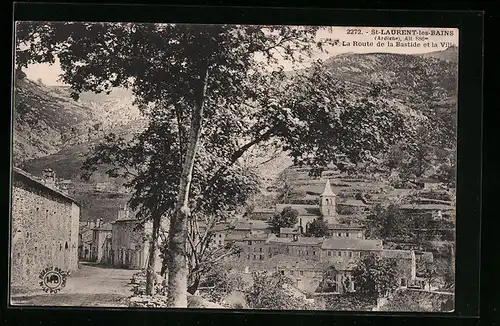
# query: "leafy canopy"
375 277
287 218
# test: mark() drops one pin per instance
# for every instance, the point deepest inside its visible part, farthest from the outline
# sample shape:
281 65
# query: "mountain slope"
46 119
414 78
41 119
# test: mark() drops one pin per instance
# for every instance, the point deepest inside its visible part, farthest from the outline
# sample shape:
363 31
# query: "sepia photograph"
238 167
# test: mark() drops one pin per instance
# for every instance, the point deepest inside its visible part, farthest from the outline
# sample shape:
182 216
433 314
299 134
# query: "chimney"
49 177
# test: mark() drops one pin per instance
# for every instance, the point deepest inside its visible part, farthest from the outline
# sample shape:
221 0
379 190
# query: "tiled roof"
399 254
427 207
308 241
20 174
345 227
354 244
105 227
288 230
263 210
303 210
251 225
235 237
352 202
274 239
221 227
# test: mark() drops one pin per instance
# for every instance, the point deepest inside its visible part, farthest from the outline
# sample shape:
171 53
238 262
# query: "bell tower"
327 204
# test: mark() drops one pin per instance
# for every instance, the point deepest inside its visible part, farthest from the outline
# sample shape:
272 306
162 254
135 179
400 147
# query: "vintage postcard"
234 166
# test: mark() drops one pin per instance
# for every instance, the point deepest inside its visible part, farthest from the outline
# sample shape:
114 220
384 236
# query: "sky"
352 39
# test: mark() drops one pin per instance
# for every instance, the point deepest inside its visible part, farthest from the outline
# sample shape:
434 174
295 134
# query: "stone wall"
129 244
98 244
44 231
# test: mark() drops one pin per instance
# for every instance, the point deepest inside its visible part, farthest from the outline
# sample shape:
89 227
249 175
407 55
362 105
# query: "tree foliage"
375 277
273 291
208 99
220 282
287 218
317 228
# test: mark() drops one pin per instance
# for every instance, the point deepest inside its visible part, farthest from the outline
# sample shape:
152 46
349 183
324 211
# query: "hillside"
46 119
413 77
42 117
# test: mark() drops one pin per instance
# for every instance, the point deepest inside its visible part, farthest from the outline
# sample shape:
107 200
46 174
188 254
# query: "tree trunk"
194 286
177 237
150 270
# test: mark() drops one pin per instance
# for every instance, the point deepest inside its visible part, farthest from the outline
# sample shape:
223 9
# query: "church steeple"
327 203
327 191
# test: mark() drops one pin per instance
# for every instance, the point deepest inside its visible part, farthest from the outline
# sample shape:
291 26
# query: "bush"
350 302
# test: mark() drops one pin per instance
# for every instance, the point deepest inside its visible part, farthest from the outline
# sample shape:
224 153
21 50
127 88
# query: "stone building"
85 235
130 242
354 231
44 227
307 213
99 236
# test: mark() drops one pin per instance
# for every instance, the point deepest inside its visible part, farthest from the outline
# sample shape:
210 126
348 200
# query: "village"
48 231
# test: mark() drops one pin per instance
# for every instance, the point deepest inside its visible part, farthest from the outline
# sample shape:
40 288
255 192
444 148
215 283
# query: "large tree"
375 277
317 228
199 72
210 83
287 218
274 291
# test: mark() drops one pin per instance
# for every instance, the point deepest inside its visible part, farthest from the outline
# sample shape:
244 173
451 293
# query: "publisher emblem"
53 279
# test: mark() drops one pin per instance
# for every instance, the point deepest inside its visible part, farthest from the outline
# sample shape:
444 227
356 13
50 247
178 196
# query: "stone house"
99 236
260 213
347 249
289 232
306 247
85 239
130 242
44 227
353 231
430 184
247 227
405 265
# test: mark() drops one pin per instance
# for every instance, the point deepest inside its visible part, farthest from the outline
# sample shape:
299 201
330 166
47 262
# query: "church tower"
327 204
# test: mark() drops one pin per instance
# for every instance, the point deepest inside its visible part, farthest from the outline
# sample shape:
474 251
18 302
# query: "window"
339 254
249 243
350 254
260 249
248 256
301 273
253 256
403 282
66 246
307 252
282 272
348 234
339 234
329 253
261 257
314 253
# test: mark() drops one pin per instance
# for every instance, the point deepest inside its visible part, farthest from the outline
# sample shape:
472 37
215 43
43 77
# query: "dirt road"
90 286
